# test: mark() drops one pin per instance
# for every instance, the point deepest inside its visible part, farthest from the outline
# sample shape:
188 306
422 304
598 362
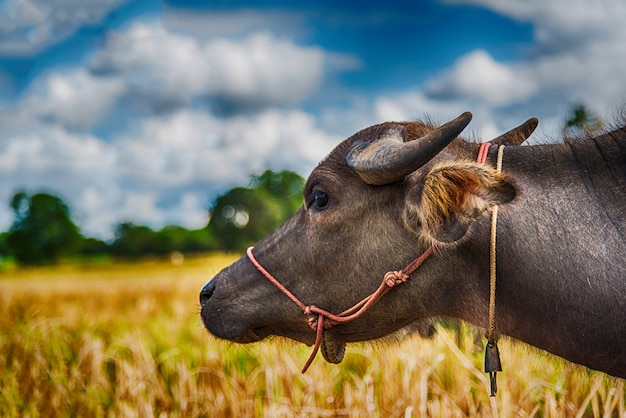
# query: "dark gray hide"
561 248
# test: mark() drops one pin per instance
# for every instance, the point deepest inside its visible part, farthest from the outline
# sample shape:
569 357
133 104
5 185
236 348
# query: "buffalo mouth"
226 323
333 349
230 329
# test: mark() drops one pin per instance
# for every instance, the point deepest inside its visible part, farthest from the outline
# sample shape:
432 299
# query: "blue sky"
146 110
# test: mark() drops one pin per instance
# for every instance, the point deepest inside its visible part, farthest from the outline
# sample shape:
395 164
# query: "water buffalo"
390 191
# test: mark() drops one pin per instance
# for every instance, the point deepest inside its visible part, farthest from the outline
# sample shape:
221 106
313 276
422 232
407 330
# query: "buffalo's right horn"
517 135
389 159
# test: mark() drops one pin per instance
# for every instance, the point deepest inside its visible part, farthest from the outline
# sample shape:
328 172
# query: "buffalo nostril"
206 293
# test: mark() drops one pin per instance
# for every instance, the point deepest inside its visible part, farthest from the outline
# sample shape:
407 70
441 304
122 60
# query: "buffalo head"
373 204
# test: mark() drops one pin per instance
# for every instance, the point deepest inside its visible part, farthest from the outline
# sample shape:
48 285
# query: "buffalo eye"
318 200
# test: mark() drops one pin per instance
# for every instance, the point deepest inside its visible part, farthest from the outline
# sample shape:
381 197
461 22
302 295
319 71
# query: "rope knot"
314 318
393 278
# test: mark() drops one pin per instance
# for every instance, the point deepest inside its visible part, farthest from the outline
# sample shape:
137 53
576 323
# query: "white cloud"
258 70
276 71
577 55
191 212
165 151
96 208
193 146
234 24
29 26
54 150
147 56
75 98
141 207
563 24
478 76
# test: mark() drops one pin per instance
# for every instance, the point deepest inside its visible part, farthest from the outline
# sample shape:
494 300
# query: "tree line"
43 231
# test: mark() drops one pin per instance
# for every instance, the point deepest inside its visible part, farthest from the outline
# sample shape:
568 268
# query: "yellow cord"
491 330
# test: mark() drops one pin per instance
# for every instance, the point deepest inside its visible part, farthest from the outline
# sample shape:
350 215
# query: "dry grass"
125 340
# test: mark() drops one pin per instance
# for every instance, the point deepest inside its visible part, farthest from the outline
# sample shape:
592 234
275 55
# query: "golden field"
125 340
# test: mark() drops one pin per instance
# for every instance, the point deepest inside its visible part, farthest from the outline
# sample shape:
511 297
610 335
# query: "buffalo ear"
453 195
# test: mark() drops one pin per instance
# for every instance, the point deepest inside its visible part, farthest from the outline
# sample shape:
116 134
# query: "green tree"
137 240
133 240
91 246
243 216
286 186
199 240
176 238
4 249
3 243
581 122
170 238
43 231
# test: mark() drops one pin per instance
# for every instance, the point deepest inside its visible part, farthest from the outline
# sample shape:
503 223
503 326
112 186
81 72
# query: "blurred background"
127 119
145 143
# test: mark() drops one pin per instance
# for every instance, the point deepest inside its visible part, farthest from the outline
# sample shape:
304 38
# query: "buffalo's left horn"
517 135
389 159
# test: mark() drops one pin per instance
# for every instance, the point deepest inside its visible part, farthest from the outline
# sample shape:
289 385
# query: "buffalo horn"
389 159
518 135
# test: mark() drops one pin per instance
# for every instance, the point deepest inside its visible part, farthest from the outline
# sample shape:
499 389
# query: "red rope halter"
320 319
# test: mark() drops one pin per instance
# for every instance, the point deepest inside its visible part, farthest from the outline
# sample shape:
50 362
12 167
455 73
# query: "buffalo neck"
561 252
